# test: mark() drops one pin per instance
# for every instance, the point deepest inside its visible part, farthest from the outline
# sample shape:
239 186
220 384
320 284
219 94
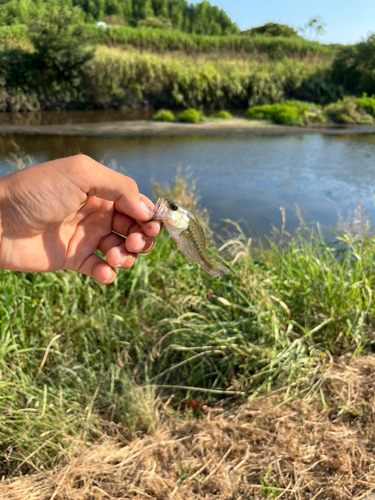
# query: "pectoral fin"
189 261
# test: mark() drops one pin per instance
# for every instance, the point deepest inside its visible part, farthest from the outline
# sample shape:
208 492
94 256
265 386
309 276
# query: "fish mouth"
159 209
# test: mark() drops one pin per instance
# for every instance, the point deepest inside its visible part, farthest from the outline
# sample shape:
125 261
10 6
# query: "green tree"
353 67
161 8
58 38
142 9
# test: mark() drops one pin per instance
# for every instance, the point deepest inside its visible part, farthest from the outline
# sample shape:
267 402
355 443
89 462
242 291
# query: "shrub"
353 67
366 103
156 22
288 113
274 30
346 111
191 116
164 115
59 42
222 115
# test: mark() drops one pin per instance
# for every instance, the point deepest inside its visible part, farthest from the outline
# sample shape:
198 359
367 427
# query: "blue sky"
347 21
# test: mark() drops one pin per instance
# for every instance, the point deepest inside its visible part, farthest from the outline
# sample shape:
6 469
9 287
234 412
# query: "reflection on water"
70 117
239 177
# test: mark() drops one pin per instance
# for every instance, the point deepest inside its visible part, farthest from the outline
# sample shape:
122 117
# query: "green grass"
76 356
191 116
222 115
117 78
164 115
366 104
297 113
161 41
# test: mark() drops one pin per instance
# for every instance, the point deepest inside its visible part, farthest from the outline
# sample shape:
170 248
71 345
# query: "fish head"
172 213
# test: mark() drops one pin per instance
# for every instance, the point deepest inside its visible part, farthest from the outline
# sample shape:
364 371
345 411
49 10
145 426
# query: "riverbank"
148 128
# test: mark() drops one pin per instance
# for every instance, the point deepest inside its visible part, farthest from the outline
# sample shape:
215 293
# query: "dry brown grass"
268 448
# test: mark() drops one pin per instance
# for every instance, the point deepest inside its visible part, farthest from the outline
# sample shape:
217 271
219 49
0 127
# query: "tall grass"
159 40
78 359
131 78
116 79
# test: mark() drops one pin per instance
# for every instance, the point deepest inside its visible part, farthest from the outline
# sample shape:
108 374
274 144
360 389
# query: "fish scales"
188 235
198 241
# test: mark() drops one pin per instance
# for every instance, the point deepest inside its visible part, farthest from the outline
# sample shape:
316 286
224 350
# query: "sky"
347 21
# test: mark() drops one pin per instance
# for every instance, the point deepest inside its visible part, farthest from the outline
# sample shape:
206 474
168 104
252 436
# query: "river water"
243 178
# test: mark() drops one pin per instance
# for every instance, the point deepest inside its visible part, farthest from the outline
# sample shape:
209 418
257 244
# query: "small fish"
188 235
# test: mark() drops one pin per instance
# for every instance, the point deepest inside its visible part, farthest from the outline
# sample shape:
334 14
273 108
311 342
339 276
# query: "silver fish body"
188 235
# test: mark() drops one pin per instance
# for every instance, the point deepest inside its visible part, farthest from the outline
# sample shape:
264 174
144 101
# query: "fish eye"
173 206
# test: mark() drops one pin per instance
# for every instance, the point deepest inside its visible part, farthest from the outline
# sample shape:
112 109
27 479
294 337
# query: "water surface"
244 178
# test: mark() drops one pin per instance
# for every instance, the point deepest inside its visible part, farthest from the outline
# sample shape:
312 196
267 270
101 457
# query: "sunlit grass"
76 356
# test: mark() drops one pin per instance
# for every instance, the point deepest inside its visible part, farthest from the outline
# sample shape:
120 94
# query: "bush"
164 115
346 111
353 67
366 103
291 112
156 22
59 43
288 113
274 30
222 115
191 116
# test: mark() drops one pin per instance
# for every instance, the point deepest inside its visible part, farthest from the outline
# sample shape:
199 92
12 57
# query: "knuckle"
131 184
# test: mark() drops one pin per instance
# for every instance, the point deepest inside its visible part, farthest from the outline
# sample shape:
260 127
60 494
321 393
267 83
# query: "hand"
55 215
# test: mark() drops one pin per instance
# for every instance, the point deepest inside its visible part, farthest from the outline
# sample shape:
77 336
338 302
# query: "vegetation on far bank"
201 18
345 111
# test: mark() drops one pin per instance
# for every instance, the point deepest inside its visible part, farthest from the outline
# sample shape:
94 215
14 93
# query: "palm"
65 245
59 213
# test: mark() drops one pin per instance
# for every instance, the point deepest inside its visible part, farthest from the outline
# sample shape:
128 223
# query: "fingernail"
109 277
120 261
147 210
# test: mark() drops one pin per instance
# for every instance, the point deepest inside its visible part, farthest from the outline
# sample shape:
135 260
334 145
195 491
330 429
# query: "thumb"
95 179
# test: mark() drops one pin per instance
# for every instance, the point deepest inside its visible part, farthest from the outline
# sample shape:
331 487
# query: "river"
245 178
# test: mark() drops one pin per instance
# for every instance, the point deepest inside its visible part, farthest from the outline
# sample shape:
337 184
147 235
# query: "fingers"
139 236
119 257
116 253
125 225
96 268
121 252
96 180
152 227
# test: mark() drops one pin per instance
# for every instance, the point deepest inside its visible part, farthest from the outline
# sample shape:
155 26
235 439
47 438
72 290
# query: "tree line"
200 18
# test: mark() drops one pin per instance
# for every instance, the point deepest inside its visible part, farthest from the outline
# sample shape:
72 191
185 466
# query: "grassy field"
81 363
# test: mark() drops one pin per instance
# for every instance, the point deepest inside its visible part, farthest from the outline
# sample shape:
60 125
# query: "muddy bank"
147 128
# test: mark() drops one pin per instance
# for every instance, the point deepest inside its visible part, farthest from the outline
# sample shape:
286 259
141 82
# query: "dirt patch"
148 128
270 448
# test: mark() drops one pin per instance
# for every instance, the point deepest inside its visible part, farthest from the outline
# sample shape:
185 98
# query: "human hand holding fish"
188 234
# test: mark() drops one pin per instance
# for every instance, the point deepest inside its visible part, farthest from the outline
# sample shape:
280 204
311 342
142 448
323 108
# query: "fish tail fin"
215 269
